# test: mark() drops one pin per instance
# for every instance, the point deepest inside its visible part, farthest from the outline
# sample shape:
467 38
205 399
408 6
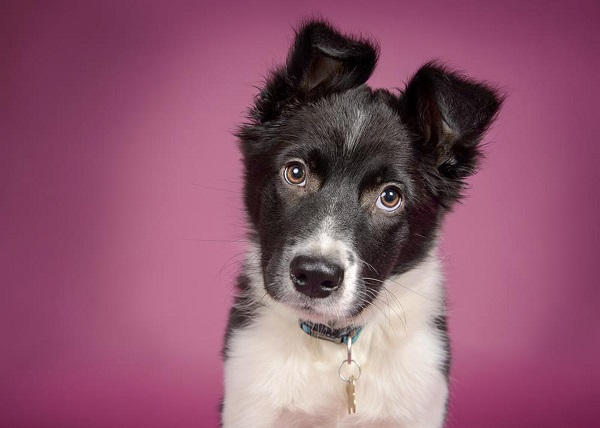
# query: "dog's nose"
315 277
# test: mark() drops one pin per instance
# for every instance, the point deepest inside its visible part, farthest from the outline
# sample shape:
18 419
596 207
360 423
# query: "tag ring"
345 379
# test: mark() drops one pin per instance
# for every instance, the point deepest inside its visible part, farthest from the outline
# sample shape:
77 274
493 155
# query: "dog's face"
346 186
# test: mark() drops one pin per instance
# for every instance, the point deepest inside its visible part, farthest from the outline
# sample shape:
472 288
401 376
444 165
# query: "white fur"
278 376
354 133
322 243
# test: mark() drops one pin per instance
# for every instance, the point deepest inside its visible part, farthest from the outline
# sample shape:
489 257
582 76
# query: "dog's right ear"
321 61
448 114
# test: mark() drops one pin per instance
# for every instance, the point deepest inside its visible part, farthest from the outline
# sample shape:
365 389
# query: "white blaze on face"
354 132
327 244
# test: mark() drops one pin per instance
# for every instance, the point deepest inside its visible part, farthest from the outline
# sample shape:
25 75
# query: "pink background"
120 208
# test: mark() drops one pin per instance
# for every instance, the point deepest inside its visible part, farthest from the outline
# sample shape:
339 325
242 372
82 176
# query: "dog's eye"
389 199
295 173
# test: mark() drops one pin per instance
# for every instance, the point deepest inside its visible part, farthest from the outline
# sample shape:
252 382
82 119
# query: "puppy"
339 319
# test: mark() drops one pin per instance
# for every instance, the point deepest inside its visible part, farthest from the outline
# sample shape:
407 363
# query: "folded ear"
321 61
448 115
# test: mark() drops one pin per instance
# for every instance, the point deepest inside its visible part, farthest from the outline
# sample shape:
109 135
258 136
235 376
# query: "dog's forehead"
354 127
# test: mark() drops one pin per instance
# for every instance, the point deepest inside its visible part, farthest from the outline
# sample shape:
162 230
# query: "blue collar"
335 335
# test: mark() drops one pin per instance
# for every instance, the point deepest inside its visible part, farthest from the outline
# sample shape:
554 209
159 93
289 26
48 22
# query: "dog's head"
345 185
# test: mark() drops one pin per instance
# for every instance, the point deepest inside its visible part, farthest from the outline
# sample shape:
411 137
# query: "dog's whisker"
370 266
231 181
372 303
402 316
216 188
401 285
388 293
226 241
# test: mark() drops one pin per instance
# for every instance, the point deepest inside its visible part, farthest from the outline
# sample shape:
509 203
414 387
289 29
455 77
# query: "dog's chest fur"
276 375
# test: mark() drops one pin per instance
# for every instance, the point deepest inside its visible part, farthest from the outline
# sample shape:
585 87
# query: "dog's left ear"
448 115
321 61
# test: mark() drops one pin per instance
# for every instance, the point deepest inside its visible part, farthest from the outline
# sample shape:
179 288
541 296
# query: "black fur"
424 140
354 141
442 326
447 115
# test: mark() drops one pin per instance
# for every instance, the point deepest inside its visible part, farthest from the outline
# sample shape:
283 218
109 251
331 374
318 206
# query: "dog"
339 318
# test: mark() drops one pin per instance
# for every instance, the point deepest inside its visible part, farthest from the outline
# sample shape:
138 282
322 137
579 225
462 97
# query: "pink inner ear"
323 68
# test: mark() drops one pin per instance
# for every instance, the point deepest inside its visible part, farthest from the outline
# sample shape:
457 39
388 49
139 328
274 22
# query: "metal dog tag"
351 391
